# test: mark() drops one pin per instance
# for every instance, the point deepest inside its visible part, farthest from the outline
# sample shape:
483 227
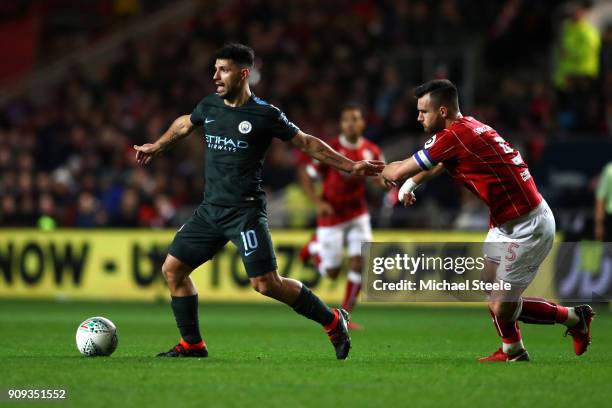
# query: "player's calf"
185 309
304 302
507 328
276 287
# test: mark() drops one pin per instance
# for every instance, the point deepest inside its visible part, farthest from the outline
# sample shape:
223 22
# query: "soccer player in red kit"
342 209
522 225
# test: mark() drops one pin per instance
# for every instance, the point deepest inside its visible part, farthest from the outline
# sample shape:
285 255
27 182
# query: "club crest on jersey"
430 142
245 127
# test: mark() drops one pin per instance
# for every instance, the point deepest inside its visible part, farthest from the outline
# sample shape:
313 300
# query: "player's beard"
231 91
435 127
228 94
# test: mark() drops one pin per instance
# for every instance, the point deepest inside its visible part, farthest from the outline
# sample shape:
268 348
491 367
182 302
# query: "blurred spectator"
88 213
164 212
579 48
577 69
8 211
47 213
128 215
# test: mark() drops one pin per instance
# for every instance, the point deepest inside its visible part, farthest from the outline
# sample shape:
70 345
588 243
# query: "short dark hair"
239 53
442 92
351 106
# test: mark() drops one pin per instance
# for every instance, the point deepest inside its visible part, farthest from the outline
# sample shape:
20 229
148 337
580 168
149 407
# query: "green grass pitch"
266 355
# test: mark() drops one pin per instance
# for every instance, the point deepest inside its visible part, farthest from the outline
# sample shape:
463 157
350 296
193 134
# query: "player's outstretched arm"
397 171
180 128
425 176
318 149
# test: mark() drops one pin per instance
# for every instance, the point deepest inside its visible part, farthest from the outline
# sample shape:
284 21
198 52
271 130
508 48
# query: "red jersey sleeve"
440 147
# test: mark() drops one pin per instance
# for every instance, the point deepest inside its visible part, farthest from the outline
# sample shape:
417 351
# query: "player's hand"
389 184
409 199
324 209
367 168
146 152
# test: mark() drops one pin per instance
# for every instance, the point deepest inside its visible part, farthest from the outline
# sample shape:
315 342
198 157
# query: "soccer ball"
96 336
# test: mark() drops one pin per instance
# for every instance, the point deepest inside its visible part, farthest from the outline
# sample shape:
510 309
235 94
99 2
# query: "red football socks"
542 311
353 286
508 331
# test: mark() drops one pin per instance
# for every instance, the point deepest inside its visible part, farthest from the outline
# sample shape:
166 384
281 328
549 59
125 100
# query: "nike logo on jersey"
208 120
249 253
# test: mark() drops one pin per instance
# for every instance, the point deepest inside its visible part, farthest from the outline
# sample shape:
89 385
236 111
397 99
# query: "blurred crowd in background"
540 73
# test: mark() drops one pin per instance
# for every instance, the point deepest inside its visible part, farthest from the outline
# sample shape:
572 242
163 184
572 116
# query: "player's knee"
167 272
494 308
267 285
503 310
172 275
332 272
261 287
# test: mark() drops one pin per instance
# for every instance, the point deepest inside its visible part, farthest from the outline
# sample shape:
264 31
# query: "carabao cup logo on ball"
245 127
96 336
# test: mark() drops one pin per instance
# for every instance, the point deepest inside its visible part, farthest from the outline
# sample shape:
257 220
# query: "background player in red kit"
522 225
343 219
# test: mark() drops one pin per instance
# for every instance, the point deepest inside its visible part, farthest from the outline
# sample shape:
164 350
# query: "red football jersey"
345 193
478 157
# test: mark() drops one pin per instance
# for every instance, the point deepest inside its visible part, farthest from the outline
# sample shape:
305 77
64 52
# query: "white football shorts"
520 245
333 239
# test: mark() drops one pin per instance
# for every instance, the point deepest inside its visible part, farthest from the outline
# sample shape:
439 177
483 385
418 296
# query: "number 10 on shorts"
249 240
